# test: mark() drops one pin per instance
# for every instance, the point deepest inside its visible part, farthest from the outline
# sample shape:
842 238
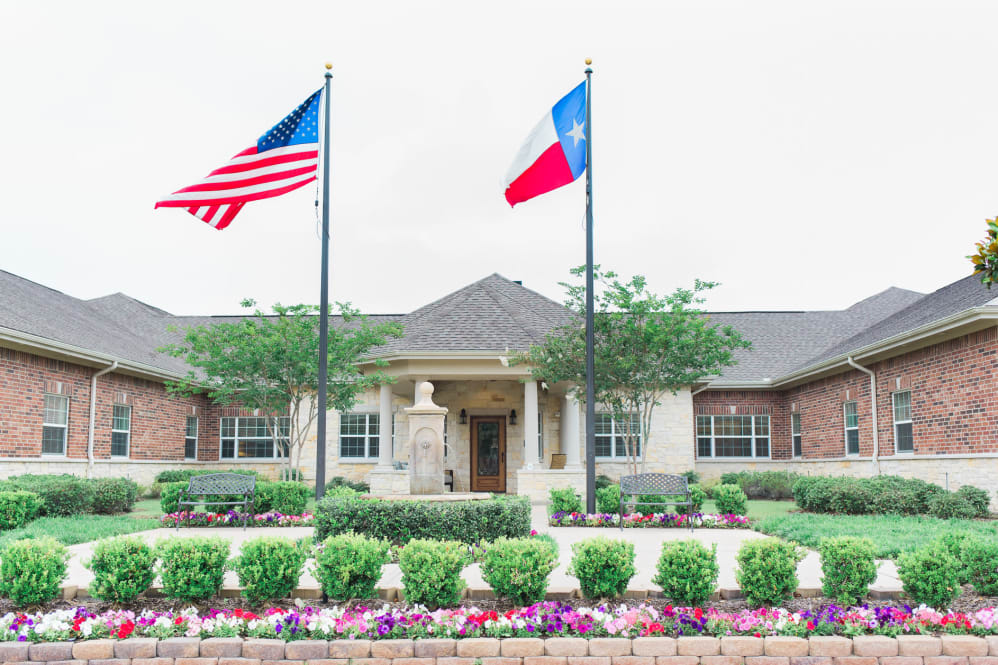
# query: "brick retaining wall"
865 650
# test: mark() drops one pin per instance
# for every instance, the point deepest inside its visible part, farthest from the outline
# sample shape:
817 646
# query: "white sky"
804 154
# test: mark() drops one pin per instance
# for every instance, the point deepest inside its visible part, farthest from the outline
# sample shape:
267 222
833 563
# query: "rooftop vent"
518 281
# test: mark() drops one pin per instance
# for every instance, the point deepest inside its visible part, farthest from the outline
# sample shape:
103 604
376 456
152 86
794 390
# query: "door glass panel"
488 449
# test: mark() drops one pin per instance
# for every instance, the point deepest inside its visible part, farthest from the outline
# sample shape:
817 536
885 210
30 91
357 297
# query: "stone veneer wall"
728 650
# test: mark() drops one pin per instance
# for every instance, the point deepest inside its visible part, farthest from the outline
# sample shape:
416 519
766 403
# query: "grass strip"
82 529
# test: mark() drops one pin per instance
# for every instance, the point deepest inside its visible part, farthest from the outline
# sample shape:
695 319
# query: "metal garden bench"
658 484
214 484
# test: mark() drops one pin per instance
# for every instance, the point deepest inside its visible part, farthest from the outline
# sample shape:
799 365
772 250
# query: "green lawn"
757 508
82 529
147 508
891 534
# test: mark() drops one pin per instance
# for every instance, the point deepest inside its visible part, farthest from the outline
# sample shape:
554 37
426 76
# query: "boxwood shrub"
62 495
431 572
687 572
930 575
608 499
565 500
17 508
980 561
951 505
288 497
518 568
269 567
192 568
349 565
32 570
114 495
978 498
767 571
855 496
122 568
763 484
848 568
401 521
603 566
730 500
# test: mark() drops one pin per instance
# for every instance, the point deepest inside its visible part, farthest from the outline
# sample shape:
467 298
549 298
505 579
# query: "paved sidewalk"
647 545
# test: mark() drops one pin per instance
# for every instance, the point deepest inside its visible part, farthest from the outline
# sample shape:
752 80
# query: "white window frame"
796 435
50 425
614 433
540 435
846 429
894 415
275 436
367 436
752 435
187 436
126 432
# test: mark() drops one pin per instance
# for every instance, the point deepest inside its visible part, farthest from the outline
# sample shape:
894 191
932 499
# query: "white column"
530 422
385 431
570 431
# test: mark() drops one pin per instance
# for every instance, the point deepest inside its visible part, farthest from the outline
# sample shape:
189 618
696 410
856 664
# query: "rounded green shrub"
192 568
17 508
340 481
286 497
62 495
269 567
32 570
979 558
767 570
950 505
114 495
348 566
697 497
431 572
953 542
608 499
123 567
978 498
565 500
930 575
848 568
169 494
730 500
687 572
519 568
603 566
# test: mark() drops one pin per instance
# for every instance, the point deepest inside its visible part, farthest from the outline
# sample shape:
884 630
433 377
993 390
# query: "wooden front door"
488 453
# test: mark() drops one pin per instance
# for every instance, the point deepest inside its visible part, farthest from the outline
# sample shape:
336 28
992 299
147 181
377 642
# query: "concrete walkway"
647 545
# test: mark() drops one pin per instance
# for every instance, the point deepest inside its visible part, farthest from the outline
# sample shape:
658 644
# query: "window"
733 436
121 428
540 436
191 438
255 437
795 434
851 420
359 435
611 442
904 441
54 421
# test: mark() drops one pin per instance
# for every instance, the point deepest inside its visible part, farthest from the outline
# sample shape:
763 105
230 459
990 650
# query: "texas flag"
555 152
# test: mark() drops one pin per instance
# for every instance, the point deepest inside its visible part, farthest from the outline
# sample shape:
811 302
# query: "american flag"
283 159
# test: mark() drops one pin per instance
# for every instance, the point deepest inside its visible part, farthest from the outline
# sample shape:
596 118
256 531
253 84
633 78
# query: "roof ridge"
513 314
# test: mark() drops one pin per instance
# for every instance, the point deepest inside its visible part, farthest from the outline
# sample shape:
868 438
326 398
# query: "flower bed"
658 520
232 518
547 619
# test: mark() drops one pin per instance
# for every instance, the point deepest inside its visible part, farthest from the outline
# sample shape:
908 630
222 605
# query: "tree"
645 346
985 260
271 363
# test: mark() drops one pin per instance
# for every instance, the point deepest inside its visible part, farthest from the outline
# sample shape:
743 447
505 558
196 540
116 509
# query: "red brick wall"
158 419
954 400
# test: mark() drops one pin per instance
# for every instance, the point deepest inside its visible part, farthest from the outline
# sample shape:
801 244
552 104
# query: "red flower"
178 621
125 630
756 634
698 614
656 628
810 625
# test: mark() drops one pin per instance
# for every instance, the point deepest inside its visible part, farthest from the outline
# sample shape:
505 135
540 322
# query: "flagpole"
590 361
320 441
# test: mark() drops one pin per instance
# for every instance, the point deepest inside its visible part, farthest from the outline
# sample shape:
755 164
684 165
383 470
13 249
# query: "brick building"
82 390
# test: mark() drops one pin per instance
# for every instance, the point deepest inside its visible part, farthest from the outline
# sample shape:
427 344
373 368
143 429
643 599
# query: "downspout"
873 410
93 415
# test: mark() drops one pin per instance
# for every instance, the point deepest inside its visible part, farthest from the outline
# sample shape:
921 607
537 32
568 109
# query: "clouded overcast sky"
804 154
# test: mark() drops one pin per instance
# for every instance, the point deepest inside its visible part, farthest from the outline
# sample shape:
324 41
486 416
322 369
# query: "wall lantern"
463 417
512 416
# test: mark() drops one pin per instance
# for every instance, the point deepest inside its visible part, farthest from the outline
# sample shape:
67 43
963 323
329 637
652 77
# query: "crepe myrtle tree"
645 346
270 362
985 258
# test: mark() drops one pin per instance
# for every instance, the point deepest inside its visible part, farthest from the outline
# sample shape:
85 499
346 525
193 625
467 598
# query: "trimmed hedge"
114 495
183 475
17 508
763 484
402 521
62 495
881 495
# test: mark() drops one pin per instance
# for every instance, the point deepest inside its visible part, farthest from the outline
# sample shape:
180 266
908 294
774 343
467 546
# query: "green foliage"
646 346
123 567
730 500
608 499
858 496
930 575
565 500
340 481
951 505
183 475
169 495
697 497
61 494
402 521
32 571
767 570
343 492
847 568
348 566
985 258
75 530
976 497
192 568
269 567
979 558
953 541
431 572
17 508
604 481
602 566
691 476
763 484
518 568
114 495
267 362
687 572
287 497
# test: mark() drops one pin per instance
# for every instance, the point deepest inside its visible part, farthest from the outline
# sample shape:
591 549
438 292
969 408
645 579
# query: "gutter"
93 413
873 410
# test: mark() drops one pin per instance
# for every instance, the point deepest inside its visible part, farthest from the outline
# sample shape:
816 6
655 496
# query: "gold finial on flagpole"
589 61
329 65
